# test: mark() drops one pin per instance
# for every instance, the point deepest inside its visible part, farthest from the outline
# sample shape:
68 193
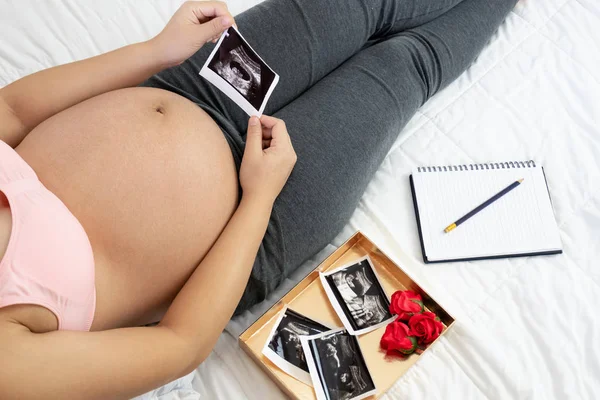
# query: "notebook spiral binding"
478 167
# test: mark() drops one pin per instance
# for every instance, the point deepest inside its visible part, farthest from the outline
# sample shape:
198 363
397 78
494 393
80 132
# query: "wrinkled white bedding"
526 328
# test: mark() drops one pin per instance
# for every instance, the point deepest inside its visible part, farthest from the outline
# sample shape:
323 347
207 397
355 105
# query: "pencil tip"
521 180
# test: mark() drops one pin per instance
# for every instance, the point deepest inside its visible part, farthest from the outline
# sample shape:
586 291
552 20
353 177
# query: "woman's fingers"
214 27
280 136
270 122
268 159
276 130
267 133
254 138
212 18
208 9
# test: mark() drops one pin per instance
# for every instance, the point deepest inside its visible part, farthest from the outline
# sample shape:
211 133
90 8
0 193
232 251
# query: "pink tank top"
49 260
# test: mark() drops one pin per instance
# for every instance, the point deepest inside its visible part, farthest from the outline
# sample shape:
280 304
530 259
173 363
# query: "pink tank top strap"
15 174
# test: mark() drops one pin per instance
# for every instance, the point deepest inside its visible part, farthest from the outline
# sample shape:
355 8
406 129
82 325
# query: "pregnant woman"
121 205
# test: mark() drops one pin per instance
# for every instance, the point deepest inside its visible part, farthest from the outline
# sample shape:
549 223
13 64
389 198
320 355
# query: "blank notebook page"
520 222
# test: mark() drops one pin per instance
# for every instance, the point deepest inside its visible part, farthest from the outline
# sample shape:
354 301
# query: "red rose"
397 339
425 327
405 304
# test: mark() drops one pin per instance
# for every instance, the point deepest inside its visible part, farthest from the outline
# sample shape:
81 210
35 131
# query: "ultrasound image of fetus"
360 294
341 368
240 71
239 65
286 339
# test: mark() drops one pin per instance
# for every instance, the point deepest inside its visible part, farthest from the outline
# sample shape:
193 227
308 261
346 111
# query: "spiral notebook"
521 223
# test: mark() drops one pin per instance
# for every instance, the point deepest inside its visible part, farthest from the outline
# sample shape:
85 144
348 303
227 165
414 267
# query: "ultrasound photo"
236 69
358 297
337 366
283 347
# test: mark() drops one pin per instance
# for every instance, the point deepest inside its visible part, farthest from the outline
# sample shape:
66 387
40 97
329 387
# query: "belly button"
160 109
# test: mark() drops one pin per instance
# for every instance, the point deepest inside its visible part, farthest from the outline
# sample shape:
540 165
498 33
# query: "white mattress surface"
526 328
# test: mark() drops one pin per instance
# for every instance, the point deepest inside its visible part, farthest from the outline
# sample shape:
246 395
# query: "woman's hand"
195 23
268 159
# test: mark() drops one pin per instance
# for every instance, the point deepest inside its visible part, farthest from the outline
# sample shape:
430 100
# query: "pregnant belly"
152 180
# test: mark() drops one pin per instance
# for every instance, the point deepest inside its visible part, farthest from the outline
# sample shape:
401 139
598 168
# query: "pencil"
483 205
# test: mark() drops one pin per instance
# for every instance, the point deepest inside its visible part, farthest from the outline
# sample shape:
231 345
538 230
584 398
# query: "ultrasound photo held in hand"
337 366
358 297
283 347
240 73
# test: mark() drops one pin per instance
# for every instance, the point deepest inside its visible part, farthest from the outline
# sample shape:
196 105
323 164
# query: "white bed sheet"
526 328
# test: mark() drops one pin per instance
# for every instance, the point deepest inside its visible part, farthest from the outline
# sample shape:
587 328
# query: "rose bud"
405 304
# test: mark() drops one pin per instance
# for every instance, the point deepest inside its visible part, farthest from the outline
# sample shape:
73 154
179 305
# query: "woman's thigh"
343 127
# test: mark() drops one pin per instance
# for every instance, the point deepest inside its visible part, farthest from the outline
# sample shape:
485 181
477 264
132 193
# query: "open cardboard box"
309 298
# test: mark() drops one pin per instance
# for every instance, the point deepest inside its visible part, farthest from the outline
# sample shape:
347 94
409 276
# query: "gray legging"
353 72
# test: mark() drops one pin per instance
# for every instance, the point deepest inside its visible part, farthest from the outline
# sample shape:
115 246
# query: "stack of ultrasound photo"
330 359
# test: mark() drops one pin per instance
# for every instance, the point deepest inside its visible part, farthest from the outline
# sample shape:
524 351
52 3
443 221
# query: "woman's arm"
35 98
200 317
123 363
